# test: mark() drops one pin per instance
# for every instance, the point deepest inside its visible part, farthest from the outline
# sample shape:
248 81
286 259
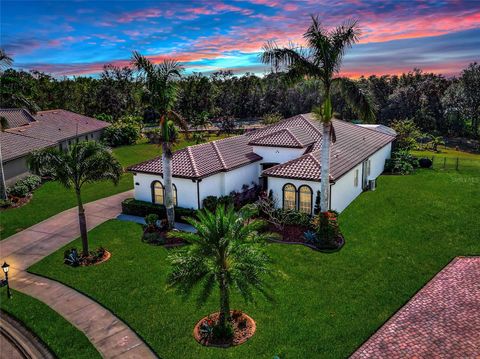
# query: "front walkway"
441 321
110 336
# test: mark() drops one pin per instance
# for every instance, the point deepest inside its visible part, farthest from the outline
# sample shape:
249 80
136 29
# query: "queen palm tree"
225 252
321 59
161 89
83 162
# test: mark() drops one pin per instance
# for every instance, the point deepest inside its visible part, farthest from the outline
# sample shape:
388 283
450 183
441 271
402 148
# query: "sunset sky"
79 37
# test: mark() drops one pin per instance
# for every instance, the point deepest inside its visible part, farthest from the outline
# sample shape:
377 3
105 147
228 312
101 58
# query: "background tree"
225 252
83 162
321 59
160 92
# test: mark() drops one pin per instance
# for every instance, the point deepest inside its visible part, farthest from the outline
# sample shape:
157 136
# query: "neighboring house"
27 132
283 157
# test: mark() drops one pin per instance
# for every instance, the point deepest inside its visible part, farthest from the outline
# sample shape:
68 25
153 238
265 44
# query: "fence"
454 163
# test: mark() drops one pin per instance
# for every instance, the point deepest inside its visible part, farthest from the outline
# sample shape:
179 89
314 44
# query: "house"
27 132
283 158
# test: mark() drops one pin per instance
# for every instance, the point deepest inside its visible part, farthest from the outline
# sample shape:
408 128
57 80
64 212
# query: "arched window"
175 198
289 196
305 197
158 193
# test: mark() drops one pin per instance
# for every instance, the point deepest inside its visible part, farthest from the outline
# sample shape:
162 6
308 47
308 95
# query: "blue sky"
79 37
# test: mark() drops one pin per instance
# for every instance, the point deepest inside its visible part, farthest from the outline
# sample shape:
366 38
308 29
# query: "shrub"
121 133
18 190
211 202
32 182
425 162
134 207
151 221
5 203
154 238
402 162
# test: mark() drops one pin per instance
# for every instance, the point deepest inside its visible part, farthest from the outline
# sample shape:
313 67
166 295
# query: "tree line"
436 104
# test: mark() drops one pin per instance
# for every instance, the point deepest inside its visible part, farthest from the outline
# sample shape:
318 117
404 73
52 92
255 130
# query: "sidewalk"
110 336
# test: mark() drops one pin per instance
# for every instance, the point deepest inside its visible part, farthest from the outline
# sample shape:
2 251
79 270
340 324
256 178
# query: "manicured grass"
52 198
397 238
446 158
62 338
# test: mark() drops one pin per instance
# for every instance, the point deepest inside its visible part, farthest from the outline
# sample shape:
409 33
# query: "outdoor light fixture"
4 282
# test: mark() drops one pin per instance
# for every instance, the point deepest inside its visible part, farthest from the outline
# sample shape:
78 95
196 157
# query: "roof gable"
16 117
293 137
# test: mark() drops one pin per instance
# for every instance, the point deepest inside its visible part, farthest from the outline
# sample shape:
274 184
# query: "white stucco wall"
344 191
277 154
235 179
219 184
186 189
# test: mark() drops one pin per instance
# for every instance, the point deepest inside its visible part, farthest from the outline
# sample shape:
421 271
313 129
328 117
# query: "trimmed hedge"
134 207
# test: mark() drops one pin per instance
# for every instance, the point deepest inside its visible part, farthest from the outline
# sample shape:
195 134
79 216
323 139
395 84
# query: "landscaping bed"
243 329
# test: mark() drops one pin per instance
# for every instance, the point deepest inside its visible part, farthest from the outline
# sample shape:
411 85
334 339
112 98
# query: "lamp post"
5 268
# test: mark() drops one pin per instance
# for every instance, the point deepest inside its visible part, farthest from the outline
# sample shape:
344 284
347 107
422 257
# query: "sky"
67 38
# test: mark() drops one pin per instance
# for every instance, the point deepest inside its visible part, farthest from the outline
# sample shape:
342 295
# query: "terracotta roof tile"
293 137
205 159
16 117
354 144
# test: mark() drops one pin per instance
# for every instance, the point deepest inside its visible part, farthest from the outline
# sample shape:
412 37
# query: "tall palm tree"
160 89
3 186
83 162
321 59
226 251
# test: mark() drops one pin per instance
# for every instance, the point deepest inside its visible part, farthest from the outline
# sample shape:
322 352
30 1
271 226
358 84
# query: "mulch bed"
243 329
18 201
294 235
163 239
89 261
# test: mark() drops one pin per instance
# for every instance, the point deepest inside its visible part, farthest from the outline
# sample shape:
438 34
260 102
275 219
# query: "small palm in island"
225 252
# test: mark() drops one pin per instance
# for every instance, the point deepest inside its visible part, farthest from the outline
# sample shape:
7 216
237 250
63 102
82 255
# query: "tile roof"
59 125
354 144
16 117
44 129
14 145
293 137
205 159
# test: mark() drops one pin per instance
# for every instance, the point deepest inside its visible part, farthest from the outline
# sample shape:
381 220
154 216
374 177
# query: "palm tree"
161 90
321 59
226 251
3 186
83 162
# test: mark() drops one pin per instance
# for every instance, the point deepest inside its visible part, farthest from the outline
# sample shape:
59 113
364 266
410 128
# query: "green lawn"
62 338
446 158
51 198
326 305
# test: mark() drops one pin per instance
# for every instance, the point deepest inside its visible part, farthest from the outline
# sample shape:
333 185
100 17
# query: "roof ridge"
192 161
217 151
293 136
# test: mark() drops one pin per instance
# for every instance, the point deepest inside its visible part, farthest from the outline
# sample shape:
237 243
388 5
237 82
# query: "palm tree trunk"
325 167
167 179
3 186
82 221
224 301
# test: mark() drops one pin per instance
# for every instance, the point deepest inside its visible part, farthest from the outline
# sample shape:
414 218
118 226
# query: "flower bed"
73 259
243 329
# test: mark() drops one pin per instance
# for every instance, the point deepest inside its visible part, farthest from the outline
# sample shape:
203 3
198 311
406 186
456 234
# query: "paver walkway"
441 321
110 336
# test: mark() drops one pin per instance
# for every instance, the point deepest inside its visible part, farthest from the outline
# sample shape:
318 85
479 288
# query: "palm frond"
357 99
